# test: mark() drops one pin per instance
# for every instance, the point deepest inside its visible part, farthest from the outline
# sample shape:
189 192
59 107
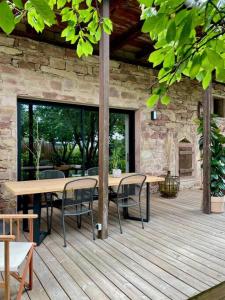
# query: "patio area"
179 254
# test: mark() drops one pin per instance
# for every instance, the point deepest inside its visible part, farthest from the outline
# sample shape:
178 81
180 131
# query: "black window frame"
130 113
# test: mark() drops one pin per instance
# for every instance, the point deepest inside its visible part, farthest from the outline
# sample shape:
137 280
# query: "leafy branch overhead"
189 38
82 19
188 35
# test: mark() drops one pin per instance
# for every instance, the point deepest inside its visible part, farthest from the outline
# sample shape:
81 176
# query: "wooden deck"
179 254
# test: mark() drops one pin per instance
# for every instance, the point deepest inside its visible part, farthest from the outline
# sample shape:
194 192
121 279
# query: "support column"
104 128
206 151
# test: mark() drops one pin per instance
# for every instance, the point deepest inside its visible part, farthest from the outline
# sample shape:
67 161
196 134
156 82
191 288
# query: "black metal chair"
49 197
129 194
77 200
93 172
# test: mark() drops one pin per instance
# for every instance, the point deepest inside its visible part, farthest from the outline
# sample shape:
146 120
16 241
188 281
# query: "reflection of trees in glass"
117 140
70 135
60 128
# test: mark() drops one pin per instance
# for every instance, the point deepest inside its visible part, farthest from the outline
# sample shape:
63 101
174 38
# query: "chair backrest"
7 237
79 191
131 185
92 171
51 174
11 225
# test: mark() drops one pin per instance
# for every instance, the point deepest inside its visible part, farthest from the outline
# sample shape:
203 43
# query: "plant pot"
217 204
116 173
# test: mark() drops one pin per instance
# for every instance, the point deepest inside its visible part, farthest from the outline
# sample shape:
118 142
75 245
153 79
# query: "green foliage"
217 157
6 18
81 18
189 40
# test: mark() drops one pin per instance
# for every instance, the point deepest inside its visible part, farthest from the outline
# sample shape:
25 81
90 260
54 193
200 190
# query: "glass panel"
90 132
54 141
65 138
119 141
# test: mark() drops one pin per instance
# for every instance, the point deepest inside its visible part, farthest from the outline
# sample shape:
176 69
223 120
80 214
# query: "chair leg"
118 211
79 222
51 215
7 273
92 223
141 215
64 230
31 273
23 279
78 219
47 210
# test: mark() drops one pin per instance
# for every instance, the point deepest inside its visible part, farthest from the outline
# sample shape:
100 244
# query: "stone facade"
35 70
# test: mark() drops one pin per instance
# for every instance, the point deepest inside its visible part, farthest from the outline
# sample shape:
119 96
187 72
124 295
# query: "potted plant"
217 165
115 159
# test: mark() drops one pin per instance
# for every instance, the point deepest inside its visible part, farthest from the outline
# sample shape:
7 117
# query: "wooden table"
38 187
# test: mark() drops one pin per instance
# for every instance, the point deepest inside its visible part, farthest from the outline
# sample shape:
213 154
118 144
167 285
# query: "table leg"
147 202
38 234
25 212
147 218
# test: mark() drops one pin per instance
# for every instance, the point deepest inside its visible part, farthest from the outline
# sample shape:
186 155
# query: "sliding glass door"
65 137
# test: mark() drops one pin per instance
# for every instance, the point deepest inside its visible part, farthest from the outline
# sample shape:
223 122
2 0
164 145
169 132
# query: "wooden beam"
104 128
128 35
206 150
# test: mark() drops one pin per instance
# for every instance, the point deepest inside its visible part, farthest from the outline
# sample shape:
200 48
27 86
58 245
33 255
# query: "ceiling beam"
128 35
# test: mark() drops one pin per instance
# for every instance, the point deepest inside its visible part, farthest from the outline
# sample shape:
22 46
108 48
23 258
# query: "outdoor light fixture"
153 115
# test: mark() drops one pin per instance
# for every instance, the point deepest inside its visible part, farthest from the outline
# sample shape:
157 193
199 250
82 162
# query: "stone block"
6 41
10 50
56 85
56 72
114 92
26 65
57 63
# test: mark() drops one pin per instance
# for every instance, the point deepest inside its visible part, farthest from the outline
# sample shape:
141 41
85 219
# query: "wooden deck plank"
133 262
179 254
176 249
67 283
133 284
150 237
75 267
52 287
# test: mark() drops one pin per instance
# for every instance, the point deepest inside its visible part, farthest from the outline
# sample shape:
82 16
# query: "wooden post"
206 151
104 128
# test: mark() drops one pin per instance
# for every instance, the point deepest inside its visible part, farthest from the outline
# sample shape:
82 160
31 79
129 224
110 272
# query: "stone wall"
34 70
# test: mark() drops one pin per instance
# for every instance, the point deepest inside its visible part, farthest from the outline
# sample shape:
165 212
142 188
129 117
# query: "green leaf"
220 74
61 3
18 3
206 80
107 25
152 100
186 31
171 32
169 59
214 58
147 3
165 100
44 10
156 57
7 18
195 67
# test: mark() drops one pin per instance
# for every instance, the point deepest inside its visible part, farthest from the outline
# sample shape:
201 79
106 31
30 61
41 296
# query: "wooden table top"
30 187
